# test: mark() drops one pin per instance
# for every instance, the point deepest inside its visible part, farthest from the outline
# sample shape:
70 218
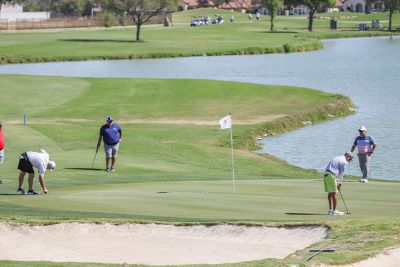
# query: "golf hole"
153 244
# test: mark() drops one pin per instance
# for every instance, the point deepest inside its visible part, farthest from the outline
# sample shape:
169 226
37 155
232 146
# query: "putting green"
287 199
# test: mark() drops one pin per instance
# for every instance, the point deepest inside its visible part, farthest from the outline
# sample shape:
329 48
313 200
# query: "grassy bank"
174 162
240 37
161 118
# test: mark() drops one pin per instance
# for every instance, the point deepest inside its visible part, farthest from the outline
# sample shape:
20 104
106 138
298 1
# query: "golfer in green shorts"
333 179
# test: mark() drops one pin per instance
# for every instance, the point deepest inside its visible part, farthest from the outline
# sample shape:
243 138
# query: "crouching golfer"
27 161
333 179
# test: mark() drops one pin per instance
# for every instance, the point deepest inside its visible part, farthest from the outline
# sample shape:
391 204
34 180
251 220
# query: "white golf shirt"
337 166
39 160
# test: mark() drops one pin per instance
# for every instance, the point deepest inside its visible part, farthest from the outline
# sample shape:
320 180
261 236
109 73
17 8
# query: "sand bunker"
389 257
151 243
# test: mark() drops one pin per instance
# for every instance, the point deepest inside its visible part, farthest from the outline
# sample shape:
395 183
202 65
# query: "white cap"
52 165
348 153
363 129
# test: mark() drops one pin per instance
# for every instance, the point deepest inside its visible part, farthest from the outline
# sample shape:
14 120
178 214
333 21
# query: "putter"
344 202
95 154
341 196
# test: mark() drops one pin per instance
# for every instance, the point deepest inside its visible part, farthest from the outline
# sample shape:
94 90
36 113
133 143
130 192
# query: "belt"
112 144
330 172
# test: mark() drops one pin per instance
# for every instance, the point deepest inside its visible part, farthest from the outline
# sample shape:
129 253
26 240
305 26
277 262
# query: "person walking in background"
250 17
258 16
333 179
2 145
111 134
27 161
366 146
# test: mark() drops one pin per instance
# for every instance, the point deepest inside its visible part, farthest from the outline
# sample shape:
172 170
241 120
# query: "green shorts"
330 182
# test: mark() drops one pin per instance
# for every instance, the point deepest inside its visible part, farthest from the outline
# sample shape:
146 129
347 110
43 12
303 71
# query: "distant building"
248 5
354 5
184 5
13 12
299 10
342 5
96 8
238 5
358 6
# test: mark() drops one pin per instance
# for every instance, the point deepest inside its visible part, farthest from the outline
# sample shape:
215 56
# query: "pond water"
365 69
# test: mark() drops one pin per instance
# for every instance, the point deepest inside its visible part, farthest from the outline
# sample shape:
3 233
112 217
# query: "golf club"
317 251
95 154
341 195
344 202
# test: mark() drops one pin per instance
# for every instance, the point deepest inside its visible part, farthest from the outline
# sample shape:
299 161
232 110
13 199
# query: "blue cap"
109 119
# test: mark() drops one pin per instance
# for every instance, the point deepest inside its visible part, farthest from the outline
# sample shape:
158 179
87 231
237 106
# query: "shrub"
108 19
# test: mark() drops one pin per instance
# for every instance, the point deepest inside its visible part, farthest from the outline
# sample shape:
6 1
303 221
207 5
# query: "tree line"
141 11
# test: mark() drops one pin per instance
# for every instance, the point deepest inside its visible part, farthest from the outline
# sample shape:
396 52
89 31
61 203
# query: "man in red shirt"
1 147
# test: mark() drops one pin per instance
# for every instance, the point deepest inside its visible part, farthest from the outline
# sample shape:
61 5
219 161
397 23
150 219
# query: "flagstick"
233 166
225 123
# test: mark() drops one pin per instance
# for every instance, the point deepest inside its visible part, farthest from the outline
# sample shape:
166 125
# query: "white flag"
226 122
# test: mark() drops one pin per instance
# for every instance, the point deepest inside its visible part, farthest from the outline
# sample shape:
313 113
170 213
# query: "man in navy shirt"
366 146
112 135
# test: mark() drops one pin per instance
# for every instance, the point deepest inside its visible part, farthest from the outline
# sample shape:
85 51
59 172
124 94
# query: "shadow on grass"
272 32
100 41
85 169
15 194
299 213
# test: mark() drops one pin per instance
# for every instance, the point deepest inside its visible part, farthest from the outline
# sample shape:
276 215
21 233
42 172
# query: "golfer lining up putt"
333 179
27 161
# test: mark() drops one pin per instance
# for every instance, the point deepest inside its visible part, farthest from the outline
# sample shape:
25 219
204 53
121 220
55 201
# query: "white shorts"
111 151
1 156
